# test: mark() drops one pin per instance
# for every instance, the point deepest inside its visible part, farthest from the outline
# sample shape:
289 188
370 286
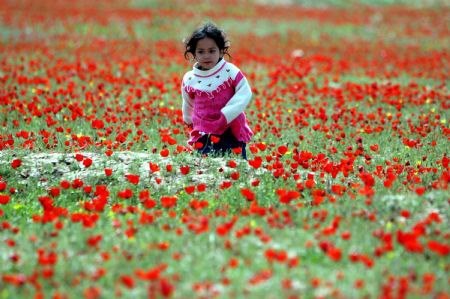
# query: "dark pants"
226 143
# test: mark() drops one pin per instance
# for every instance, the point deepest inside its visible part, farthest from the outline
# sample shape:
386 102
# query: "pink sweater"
215 99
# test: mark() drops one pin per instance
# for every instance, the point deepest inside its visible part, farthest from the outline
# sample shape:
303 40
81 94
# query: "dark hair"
209 30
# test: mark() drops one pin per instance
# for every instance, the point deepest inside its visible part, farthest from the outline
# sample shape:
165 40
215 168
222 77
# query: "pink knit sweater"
215 99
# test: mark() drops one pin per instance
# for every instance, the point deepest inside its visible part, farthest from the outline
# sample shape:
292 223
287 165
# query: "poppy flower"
168 201
2 186
79 157
374 147
440 248
184 169
77 183
47 258
87 162
164 153
225 228
256 162
94 240
248 194
97 124
125 194
276 255
4 199
108 171
14 279
237 150
201 187
16 163
215 139
420 190
133 178
153 167
260 277
282 149
225 185
189 189
232 164
286 196
166 288
54 191
127 281
235 175
198 145
333 252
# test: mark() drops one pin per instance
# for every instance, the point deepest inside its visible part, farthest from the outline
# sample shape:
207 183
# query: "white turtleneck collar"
206 73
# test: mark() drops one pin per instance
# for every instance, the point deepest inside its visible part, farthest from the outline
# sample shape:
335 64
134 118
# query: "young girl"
215 94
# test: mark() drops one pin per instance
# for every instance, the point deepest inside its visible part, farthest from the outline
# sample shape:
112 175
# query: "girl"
215 94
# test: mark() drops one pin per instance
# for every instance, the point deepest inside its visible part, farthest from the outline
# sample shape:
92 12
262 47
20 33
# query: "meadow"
344 193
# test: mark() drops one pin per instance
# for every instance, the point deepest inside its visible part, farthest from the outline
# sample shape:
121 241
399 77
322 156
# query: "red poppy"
237 150
235 175
189 189
153 167
108 171
79 157
215 139
4 199
168 201
282 149
225 228
198 145
2 185
248 194
286 196
87 162
225 185
65 184
201 187
164 152
440 248
166 288
125 194
127 281
256 162
375 147
47 258
260 277
184 169
16 163
420 190
232 164
14 279
94 240
97 124
54 191
133 178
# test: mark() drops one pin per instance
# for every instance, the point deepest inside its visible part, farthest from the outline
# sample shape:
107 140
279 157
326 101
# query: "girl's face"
207 53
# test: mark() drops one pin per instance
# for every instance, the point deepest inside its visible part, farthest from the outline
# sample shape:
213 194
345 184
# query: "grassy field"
345 191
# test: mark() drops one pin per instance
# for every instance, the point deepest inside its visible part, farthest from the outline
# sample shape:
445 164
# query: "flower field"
344 193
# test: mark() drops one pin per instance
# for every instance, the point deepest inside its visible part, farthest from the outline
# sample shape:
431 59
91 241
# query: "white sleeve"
188 105
237 104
